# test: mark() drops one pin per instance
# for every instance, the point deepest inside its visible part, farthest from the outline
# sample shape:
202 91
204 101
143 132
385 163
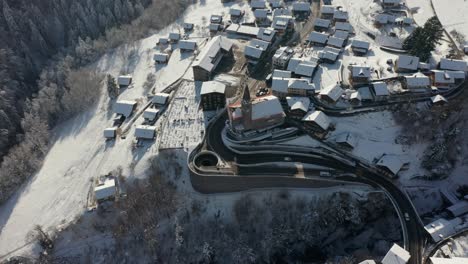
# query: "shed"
124 80
187 45
161 57
396 255
235 12
174 37
160 98
105 190
347 140
124 107
390 162
162 41
188 26
110 132
145 132
150 114
360 47
216 19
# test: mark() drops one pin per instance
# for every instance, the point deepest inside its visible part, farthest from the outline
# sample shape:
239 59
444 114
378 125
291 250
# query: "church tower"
246 108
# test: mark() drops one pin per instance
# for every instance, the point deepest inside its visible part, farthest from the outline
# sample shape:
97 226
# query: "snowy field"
421 9
453 15
57 193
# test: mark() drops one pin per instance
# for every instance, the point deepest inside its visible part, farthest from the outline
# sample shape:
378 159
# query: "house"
214 28
447 79
453 65
321 24
124 80
390 3
261 16
235 14
281 74
341 34
275 4
161 57
125 107
209 58
382 19
327 12
396 255
390 163
458 209
212 95
261 113
307 68
301 10
255 50
162 41
279 87
160 99
281 57
188 27
316 121
105 189
187 45
360 47
442 228
405 63
317 38
347 140
335 42
267 34
293 62
417 83
329 54
343 26
331 93
380 91
145 132
151 114
297 106
365 94
258 4
360 74
242 31
438 100
340 16
174 37
282 12
216 19
110 132
282 23
300 87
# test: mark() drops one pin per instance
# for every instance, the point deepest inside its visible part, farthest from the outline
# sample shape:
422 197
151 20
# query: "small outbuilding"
105 189
161 57
390 163
188 27
317 121
151 114
187 45
160 99
124 80
110 132
331 93
360 47
406 63
124 107
396 255
174 37
145 132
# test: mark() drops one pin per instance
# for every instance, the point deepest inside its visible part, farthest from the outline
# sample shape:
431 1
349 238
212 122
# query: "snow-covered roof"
302 84
214 27
365 93
301 6
261 13
367 261
174 36
188 26
110 132
292 65
341 34
266 34
281 12
247 30
281 22
323 23
206 58
160 98
438 98
417 80
105 190
216 19
361 71
280 84
318 37
355 96
391 1
328 55
382 18
333 92
327 9
380 89
335 42
258 4
320 118
143 131
150 113
424 66
360 44
213 87
267 106
345 26
452 260
341 15
306 68
161 57
347 138
124 80
459 208
282 74
442 228
255 48
396 255
275 3
453 65
407 62
124 107
298 103
235 12
187 45
283 53
444 77
392 162
163 40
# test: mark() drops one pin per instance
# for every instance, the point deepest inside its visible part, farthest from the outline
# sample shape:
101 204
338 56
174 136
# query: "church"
258 114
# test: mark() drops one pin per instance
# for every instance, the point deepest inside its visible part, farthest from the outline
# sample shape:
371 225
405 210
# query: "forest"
44 44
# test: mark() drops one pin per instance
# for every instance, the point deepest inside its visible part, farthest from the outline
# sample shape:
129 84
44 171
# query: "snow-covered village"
218 131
